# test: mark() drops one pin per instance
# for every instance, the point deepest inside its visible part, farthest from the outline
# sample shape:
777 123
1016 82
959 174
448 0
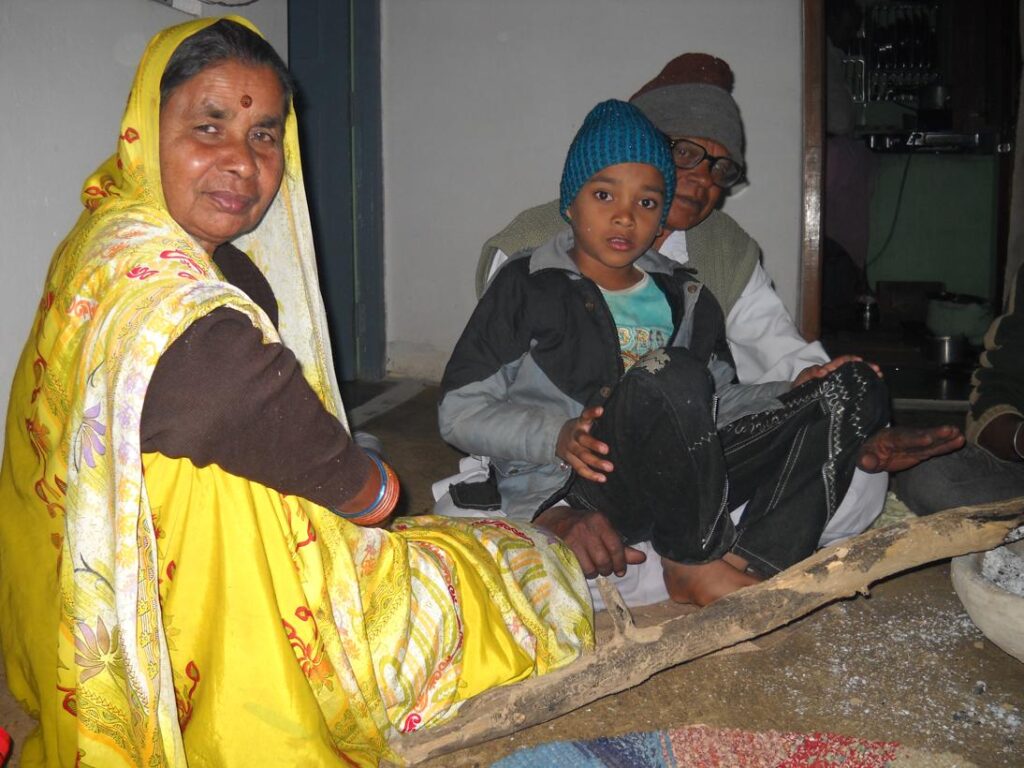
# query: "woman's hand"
582 452
821 371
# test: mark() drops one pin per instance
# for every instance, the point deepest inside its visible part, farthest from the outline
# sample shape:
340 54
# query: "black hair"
222 41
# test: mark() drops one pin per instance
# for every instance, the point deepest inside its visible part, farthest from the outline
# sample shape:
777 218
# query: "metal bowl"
947 350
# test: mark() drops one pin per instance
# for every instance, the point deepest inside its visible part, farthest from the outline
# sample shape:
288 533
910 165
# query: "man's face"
696 194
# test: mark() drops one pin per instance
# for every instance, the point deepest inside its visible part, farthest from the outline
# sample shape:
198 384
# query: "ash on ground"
1005 569
918 641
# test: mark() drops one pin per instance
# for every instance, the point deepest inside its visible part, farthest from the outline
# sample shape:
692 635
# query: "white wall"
65 70
480 101
482 97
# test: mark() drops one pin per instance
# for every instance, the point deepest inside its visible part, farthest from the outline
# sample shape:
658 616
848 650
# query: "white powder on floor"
1005 569
875 672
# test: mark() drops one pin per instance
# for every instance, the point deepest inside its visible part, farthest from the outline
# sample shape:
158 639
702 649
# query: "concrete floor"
905 664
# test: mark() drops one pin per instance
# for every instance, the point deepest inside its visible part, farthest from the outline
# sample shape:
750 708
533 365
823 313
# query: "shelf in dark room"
915 382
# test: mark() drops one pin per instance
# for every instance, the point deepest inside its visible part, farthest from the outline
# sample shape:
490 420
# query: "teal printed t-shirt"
643 318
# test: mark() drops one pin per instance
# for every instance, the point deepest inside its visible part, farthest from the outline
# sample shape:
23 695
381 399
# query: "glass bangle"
381 506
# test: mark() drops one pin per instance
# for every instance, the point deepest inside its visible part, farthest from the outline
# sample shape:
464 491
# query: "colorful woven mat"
5 746
701 746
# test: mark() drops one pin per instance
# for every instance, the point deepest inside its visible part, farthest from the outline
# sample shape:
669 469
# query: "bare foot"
703 583
739 563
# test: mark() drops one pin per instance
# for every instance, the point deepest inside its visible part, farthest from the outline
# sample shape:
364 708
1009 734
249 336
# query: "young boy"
593 371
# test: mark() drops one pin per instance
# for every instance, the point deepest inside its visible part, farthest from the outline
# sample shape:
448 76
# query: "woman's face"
221 150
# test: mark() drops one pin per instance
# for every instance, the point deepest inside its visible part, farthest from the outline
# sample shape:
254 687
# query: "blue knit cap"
615 132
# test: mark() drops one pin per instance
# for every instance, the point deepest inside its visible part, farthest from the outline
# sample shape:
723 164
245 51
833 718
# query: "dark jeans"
972 475
676 475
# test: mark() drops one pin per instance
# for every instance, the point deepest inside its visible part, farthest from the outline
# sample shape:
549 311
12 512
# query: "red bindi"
246 101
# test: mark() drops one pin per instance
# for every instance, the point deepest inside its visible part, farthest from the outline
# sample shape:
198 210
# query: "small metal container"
867 312
947 350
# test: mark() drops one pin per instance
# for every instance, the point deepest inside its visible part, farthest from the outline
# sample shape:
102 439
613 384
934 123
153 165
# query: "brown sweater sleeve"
219 395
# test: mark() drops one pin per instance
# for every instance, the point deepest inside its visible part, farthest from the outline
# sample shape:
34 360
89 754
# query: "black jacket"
542 345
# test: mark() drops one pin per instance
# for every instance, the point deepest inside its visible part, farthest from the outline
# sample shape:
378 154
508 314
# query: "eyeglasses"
687 155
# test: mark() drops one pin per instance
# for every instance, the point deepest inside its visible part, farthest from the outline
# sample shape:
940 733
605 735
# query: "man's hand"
823 370
581 451
592 539
894 449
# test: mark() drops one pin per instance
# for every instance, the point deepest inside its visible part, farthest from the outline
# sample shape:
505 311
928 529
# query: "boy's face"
615 218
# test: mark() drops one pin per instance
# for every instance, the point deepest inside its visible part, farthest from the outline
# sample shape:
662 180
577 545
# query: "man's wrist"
555 518
1015 439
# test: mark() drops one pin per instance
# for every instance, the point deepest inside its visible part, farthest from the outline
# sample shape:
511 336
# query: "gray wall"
65 70
480 101
482 97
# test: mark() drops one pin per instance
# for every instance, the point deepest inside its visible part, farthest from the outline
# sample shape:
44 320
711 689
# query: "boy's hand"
590 536
582 452
823 370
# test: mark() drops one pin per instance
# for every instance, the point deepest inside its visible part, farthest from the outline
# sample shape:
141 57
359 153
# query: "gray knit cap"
615 132
692 96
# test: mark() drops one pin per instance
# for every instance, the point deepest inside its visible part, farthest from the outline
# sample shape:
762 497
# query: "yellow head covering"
281 246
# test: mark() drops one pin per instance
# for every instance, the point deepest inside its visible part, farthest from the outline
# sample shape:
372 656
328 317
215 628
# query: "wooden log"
636 654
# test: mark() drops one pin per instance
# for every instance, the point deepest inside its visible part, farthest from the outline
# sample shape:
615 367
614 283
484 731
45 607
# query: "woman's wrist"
371 511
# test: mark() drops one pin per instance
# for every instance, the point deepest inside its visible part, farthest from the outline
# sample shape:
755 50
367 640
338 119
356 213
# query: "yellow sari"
155 613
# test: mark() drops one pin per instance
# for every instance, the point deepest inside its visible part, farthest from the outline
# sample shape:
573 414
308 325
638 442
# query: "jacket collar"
554 254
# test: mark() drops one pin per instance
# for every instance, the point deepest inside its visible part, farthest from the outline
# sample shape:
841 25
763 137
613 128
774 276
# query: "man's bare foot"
703 583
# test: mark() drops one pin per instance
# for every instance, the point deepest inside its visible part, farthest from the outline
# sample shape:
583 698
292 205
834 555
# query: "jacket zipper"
718 517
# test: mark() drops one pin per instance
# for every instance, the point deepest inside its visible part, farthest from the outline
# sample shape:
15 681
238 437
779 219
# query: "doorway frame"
334 52
813 167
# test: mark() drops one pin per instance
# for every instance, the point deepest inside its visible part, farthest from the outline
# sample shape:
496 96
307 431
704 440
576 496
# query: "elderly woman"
180 575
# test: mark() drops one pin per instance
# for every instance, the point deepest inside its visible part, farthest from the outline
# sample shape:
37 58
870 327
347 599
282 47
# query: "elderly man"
690 101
